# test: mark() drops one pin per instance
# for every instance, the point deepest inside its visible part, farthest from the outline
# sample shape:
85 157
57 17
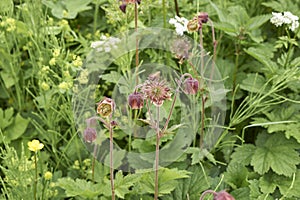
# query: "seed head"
156 90
106 107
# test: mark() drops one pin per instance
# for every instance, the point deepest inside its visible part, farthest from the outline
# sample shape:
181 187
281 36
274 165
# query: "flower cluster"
180 24
105 44
278 19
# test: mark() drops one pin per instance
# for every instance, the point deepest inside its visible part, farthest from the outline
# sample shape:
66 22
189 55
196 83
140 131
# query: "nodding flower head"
136 100
223 195
89 135
193 25
191 85
106 107
203 17
156 90
125 2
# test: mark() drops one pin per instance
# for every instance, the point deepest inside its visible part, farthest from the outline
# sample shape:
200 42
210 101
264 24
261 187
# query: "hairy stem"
93 164
157 154
111 162
136 42
215 51
207 192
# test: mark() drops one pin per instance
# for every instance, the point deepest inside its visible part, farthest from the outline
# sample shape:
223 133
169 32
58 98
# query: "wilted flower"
278 19
106 107
181 48
35 145
191 85
136 100
203 17
90 134
180 24
125 2
193 25
156 90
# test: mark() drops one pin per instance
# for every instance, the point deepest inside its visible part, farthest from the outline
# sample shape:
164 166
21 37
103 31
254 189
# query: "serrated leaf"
257 21
267 184
123 183
241 193
191 185
112 77
118 156
236 175
243 154
199 154
277 154
293 130
79 187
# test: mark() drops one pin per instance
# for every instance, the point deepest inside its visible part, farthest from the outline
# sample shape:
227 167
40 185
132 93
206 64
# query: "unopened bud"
136 100
191 85
90 135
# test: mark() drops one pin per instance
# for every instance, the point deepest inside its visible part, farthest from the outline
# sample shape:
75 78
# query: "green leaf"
267 184
15 130
118 156
253 83
8 79
80 187
6 117
112 77
199 154
167 180
293 130
236 175
241 193
277 153
123 183
243 154
191 186
257 21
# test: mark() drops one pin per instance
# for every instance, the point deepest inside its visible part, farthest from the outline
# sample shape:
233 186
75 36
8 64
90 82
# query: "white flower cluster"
105 44
278 19
180 24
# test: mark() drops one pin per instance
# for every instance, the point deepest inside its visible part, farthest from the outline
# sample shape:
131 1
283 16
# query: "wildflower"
65 13
48 175
45 69
45 86
136 100
83 77
180 24
56 53
106 107
126 2
63 85
191 86
223 195
105 44
77 62
35 145
52 61
203 17
156 90
90 135
193 25
278 19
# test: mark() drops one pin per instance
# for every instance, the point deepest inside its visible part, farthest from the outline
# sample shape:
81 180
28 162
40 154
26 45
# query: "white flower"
278 19
105 44
180 24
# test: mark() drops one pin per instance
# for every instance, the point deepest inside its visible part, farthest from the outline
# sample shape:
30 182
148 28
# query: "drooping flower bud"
106 107
123 7
203 17
191 85
125 2
136 100
89 135
223 195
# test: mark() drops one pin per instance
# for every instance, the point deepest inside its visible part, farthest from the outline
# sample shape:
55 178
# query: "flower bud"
123 8
223 195
89 135
191 85
106 107
136 100
203 17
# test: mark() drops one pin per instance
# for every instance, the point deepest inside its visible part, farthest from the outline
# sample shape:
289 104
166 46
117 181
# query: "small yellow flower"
45 86
35 145
48 175
52 61
56 52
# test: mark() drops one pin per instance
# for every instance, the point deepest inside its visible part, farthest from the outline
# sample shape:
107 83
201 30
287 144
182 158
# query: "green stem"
93 164
202 121
164 13
157 154
36 176
95 18
136 42
111 146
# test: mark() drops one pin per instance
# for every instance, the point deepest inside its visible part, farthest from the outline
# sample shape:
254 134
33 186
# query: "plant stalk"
136 42
111 161
36 176
157 154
